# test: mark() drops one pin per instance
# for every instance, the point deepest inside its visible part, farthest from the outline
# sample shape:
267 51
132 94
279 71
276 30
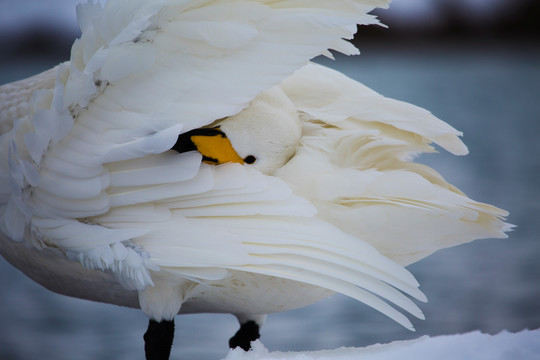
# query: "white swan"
307 186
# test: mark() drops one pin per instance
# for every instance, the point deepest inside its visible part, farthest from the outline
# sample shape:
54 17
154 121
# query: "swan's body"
93 204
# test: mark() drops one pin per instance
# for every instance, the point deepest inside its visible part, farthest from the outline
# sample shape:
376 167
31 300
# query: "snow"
524 345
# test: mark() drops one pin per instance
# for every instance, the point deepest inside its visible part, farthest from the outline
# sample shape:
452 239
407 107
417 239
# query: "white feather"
130 195
348 104
73 188
170 166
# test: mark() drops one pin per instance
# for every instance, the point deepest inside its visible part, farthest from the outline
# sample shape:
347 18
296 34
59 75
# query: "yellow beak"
212 143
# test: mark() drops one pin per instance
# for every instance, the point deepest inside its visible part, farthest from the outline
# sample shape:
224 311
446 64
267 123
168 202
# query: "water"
491 94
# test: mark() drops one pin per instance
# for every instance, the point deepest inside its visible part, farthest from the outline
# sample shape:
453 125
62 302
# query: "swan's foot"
248 332
158 339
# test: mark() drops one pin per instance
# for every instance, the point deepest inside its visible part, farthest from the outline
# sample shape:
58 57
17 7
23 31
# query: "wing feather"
290 248
171 168
336 285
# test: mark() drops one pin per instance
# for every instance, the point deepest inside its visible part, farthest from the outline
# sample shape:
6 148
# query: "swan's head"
264 135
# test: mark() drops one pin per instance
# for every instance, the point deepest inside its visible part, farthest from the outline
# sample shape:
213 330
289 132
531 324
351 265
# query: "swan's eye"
250 159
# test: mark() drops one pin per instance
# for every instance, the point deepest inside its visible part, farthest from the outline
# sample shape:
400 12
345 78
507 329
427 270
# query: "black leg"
248 332
158 340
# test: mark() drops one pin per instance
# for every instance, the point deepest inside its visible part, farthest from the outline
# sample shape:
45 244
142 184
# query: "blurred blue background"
473 63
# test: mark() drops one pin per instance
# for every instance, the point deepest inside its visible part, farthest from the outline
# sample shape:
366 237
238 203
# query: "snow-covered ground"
524 345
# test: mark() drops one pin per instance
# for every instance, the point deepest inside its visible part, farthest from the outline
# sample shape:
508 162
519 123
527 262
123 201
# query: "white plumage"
333 203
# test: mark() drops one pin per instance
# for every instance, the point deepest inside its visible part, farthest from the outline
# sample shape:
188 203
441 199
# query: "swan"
190 158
